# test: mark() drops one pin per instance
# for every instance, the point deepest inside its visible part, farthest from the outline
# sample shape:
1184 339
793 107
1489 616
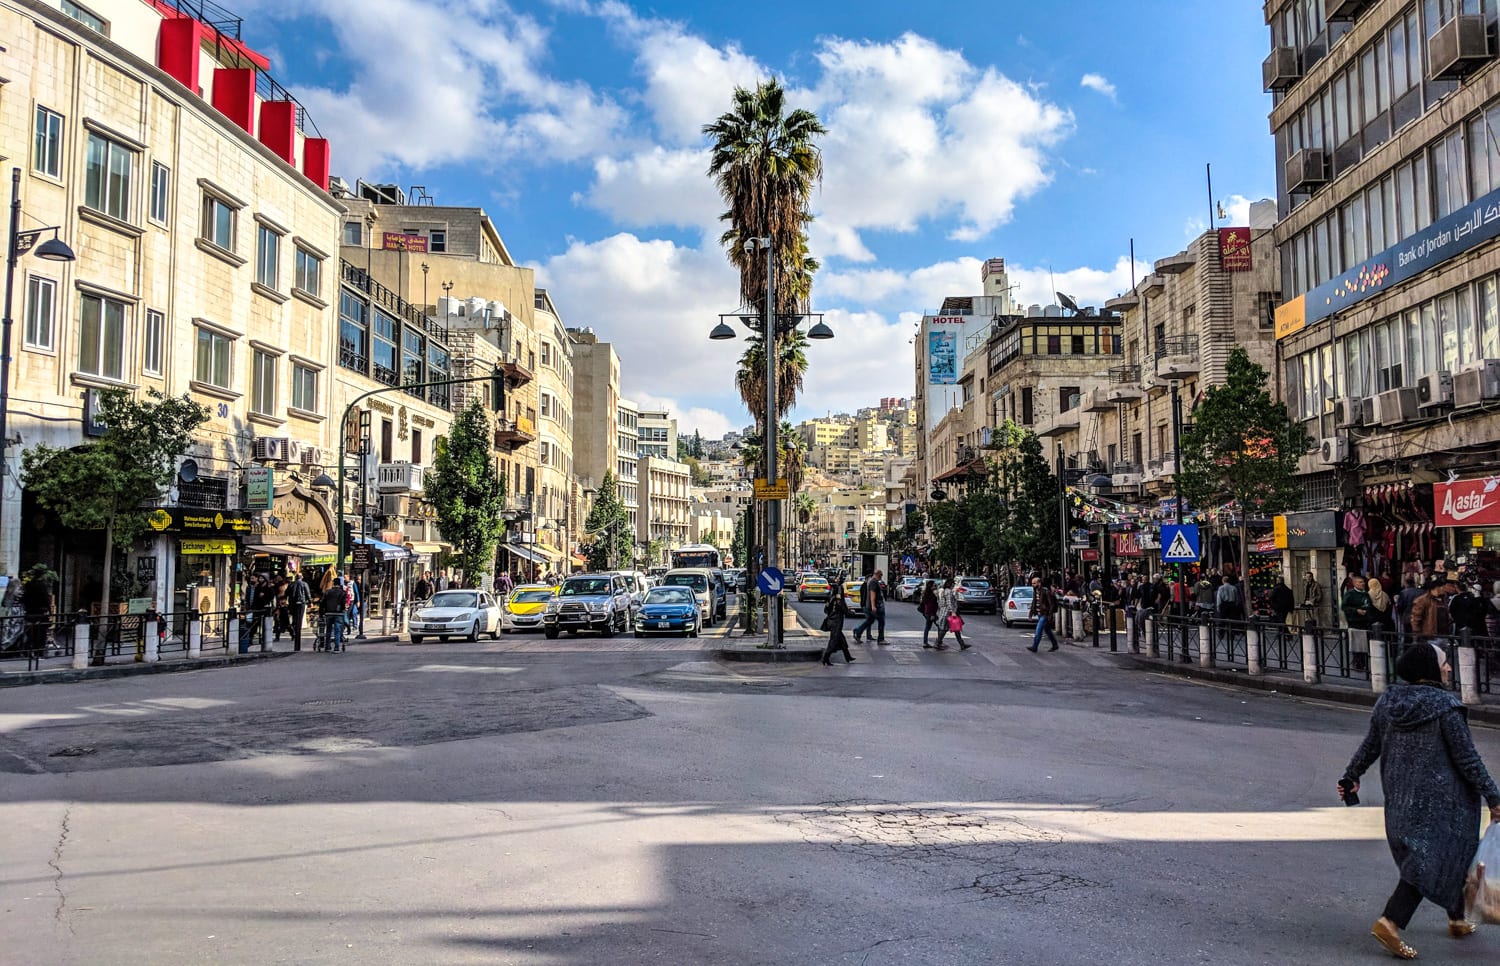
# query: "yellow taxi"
852 591
814 587
524 608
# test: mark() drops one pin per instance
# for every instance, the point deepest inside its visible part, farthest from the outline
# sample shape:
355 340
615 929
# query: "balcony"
1176 264
1127 474
1154 284
512 434
1122 303
516 375
1177 357
1058 424
1161 468
1098 401
398 478
1124 384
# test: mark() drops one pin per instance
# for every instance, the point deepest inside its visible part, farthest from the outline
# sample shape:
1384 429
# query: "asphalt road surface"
625 801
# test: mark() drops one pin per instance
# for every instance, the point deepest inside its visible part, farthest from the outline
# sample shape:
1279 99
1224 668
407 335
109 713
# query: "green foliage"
696 471
609 524
739 547
468 493
908 537
111 484
867 539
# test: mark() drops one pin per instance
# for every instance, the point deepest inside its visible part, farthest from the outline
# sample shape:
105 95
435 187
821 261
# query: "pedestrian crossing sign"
1179 543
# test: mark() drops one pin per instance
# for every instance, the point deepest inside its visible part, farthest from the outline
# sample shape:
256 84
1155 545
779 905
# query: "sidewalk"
60 670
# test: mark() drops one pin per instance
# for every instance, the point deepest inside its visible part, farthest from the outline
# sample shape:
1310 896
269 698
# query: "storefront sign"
175 519
1313 530
395 241
1127 545
298 518
198 548
1088 556
1291 317
1471 225
260 484
942 358
1234 250
1467 503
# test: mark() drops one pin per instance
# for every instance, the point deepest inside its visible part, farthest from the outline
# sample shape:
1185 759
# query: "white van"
703 585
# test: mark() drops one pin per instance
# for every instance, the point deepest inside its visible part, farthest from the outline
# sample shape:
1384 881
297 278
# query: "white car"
1017 606
456 613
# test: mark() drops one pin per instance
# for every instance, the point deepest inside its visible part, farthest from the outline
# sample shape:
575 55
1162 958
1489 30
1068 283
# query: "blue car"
668 609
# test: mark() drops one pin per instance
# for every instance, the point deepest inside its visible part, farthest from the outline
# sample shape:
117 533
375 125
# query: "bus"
698 555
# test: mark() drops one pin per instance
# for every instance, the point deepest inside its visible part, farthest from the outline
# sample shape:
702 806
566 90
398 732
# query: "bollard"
1252 649
1468 682
385 622
1379 678
152 642
1148 628
195 635
1095 623
80 645
1205 645
1114 645
232 632
265 633
1310 673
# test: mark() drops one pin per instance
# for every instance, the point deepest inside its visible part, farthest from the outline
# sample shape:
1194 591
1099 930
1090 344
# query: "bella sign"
1467 503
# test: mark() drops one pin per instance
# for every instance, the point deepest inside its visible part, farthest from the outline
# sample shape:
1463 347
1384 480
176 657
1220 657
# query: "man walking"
1408 596
333 607
1043 606
298 596
872 599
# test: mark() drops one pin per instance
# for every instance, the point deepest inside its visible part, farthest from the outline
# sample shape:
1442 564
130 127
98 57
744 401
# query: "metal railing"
55 641
1124 374
1177 345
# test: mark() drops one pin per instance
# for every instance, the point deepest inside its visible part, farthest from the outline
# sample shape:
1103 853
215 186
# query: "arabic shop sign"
172 519
1467 503
1465 228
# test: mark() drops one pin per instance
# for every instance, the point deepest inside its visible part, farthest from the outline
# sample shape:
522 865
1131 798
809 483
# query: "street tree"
468 492
112 484
739 547
1242 449
1029 493
609 525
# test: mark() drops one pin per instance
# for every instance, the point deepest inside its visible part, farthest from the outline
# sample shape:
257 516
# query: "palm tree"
791 364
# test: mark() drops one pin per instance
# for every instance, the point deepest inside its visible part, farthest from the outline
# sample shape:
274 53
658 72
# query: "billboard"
942 357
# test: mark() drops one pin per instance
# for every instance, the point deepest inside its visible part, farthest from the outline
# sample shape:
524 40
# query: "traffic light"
348 534
497 390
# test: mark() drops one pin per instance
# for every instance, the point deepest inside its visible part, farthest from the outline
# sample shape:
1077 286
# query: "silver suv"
589 602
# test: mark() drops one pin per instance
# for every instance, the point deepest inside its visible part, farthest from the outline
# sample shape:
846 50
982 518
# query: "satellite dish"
1066 301
188 471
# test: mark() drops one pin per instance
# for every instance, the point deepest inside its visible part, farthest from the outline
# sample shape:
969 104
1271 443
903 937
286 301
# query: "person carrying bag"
947 602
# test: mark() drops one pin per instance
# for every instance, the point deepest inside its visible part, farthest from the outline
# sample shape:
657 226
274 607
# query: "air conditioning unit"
1280 70
1334 449
1306 169
1350 412
311 455
1347 9
1394 407
1435 389
1476 383
1459 48
393 505
269 449
294 451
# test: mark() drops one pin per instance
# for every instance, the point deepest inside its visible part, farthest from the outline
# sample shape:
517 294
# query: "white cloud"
1089 286
868 357
1098 83
447 81
1236 209
656 186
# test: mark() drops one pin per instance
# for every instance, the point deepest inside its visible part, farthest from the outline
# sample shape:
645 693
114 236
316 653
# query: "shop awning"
525 553
317 554
421 549
387 550
274 549
546 551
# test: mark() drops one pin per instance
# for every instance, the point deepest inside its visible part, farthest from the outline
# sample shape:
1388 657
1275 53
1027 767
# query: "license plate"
660 624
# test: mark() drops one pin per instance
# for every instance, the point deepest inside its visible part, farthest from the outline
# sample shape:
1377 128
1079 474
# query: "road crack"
56 865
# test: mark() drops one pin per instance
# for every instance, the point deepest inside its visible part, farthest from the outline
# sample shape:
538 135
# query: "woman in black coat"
1433 781
836 610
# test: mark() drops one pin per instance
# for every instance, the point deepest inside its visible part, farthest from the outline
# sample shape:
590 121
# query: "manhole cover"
325 702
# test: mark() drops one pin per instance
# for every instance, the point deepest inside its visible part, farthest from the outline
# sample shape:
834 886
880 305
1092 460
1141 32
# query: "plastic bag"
1483 888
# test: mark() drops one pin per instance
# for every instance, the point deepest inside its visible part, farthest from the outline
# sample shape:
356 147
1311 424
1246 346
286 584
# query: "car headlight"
460 618
599 607
553 606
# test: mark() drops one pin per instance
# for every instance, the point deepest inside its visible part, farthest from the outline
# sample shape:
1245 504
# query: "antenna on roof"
1067 302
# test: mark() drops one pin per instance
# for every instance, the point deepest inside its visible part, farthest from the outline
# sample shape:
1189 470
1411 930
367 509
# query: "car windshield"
669 595
530 596
454 598
586 587
696 581
1021 592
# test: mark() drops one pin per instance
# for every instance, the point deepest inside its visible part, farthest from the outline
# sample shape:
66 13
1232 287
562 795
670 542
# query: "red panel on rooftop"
170 12
177 50
278 128
234 95
316 161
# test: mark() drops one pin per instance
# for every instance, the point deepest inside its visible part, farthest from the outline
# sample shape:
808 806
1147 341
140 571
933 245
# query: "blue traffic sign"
770 581
1180 543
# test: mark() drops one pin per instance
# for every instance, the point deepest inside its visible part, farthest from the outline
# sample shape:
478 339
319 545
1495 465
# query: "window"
308 271
161 185
267 256
1067 398
41 308
46 151
263 383
353 233
437 241
101 336
107 171
412 351
304 388
213 359
385 348
218 222
353 332
416 446
151 342
86 17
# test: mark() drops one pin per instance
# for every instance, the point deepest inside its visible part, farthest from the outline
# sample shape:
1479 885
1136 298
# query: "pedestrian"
506 584
1312 596
1468 611
1380 606
872 601
1356 604
1229 600
949 618
1408 596
1043 606
1204 592
927 606
332 607
1283 601
1433 780
38 599
834 613
356 621
423 589
1430 620
280 615
298 596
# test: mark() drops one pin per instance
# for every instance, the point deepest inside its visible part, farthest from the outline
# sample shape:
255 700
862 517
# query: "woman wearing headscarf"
1433 780
947 601
836 610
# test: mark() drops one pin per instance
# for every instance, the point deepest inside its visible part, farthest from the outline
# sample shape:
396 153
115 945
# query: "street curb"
765 655
1281 684
73 676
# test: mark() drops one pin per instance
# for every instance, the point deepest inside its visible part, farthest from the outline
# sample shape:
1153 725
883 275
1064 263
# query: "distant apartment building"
666 499
627 460
658 434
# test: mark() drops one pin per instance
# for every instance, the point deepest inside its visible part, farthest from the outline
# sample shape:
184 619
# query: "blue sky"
1049 134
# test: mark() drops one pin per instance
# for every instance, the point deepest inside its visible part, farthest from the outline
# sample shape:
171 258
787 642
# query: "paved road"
623 801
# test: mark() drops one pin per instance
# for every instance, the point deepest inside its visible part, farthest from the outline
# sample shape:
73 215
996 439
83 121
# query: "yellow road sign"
780 490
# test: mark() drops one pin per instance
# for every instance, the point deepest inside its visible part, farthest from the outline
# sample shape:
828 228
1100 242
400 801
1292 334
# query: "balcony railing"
390 301
350 359
1118 374
1177 345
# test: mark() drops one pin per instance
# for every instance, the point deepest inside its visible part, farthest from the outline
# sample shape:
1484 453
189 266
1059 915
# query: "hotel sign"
395 241
1471 225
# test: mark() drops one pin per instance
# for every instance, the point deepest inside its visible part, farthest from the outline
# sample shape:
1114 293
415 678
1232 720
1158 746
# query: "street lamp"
19 243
